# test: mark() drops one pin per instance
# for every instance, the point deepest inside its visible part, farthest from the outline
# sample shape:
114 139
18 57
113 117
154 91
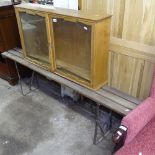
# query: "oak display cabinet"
73 44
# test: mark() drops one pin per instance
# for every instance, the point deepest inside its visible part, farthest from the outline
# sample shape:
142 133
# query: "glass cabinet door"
35 37
72 48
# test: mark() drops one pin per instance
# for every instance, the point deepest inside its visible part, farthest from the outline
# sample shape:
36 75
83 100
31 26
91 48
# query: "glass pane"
73 47
35 37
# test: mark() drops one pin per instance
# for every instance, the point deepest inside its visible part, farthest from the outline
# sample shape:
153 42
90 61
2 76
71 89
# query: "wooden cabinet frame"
98 36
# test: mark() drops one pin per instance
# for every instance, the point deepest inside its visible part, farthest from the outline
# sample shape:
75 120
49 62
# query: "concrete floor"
43 124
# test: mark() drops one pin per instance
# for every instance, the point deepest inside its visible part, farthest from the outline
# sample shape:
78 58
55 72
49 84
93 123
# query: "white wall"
69 4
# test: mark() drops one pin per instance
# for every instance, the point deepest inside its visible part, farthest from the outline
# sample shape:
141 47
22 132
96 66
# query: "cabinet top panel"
67 12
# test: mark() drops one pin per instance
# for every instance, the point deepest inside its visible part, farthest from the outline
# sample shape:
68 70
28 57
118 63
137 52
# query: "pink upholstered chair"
138 132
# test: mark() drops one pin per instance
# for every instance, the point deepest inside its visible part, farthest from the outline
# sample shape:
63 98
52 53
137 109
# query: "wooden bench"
108 97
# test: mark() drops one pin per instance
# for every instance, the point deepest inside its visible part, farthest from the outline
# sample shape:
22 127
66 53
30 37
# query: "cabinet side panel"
8 29
101 52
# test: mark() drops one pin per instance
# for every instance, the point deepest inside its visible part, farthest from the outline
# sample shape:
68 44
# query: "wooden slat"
137 78
110 65
116 99
82 90
146 80
121 95
133 49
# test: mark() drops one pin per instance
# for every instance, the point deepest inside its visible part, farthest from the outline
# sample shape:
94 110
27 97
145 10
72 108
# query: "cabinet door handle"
55 20
85 28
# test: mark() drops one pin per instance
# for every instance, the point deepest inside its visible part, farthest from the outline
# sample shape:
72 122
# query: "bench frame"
100 96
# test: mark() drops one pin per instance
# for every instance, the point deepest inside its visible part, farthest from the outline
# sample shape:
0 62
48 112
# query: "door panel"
72 47
35 37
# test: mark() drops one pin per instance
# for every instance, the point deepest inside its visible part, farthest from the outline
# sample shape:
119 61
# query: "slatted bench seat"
108 97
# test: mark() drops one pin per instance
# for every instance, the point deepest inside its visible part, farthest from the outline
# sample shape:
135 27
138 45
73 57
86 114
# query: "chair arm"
137 119
119 135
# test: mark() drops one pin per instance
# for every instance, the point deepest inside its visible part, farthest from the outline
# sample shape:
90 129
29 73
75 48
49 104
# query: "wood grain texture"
101 41
8 28
132 19
118 18
94 6
131 67
146 80
139 17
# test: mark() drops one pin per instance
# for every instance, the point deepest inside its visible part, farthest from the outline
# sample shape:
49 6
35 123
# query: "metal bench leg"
104 128
31 81
19 78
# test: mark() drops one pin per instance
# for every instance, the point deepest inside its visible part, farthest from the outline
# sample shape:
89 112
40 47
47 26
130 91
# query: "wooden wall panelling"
130 63
79 4
94 6
131 67
137 76
153 35
146 80
139 18
125 73
130 75
118 18
132 19
110 67
133 49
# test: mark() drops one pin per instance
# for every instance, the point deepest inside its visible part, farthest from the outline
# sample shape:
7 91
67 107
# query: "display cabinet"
74 44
